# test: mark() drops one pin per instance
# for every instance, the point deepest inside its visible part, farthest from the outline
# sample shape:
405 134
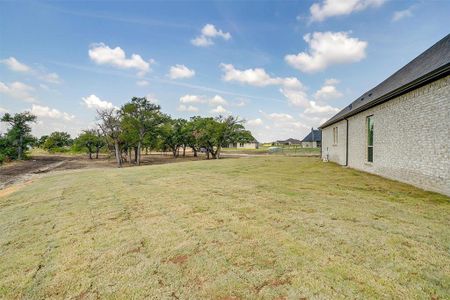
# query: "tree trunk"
117 152
207 154
96 153
90 154
174 151
218 152
135 155
138 161
20 150
184 150
195 151
129 155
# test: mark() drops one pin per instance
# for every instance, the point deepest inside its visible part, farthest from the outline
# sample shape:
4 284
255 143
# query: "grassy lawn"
260 227
285 150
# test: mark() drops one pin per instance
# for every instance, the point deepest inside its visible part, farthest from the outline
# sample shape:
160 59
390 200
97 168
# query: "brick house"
400 129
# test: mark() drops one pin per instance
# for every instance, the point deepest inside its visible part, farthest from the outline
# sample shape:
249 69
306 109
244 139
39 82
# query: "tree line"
139 125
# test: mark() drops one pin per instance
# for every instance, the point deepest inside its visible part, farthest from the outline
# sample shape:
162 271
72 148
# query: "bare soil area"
21 171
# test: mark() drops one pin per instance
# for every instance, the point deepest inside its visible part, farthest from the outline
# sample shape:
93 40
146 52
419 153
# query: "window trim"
369 118
335 136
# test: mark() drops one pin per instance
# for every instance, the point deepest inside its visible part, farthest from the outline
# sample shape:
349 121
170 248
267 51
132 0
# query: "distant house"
250 145
288 142
313 139
400 129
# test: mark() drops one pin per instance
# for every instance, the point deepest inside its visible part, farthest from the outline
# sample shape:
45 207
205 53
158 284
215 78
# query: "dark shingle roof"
430 65
314 136
290 140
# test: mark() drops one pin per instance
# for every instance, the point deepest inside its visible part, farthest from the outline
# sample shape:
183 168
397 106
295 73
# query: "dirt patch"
21 171
181 259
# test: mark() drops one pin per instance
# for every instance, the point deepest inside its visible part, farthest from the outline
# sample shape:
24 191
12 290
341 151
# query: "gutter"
346 143
421 81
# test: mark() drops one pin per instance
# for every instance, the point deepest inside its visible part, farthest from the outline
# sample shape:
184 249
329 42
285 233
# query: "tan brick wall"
334 152
411 138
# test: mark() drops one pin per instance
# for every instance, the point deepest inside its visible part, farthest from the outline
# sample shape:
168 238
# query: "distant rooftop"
314 136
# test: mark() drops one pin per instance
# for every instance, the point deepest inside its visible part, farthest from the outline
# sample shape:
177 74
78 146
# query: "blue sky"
284 66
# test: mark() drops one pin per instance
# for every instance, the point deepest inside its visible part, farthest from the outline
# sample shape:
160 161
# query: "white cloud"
94 102
291 87
187 99
255 77
14 65
3 110
52 113
328 91
218 100
209 33
398 15
255 122
50 77
326 49
18 90
180 71
316 109
279 117
104 55
142 82
151 98
219 110
330 8
331 81
187 108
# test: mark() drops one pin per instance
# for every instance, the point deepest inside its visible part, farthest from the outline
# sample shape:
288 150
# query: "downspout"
346 143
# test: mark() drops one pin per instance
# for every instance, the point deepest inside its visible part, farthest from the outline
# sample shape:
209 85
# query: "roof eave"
430 77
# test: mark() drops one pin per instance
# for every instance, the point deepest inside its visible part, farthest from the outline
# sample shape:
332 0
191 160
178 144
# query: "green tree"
58 141
140 117
19 134
172 134
91 141
110 124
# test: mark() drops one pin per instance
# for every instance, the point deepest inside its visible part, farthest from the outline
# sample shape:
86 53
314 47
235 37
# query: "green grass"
251 228
286 150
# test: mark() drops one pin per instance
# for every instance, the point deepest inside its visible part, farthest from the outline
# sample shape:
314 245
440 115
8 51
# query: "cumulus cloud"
94 102
328 91
18 90
255 77
401 14
290 87
188 99
209 33
50 77
220 110
180 71
315 109
330 8
14 65
187 108
52 113
255 122
142 82
102 54
218 100
326 49
151 98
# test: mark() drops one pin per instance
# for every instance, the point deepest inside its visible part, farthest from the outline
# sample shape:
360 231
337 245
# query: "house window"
370 139
241 144
335 135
